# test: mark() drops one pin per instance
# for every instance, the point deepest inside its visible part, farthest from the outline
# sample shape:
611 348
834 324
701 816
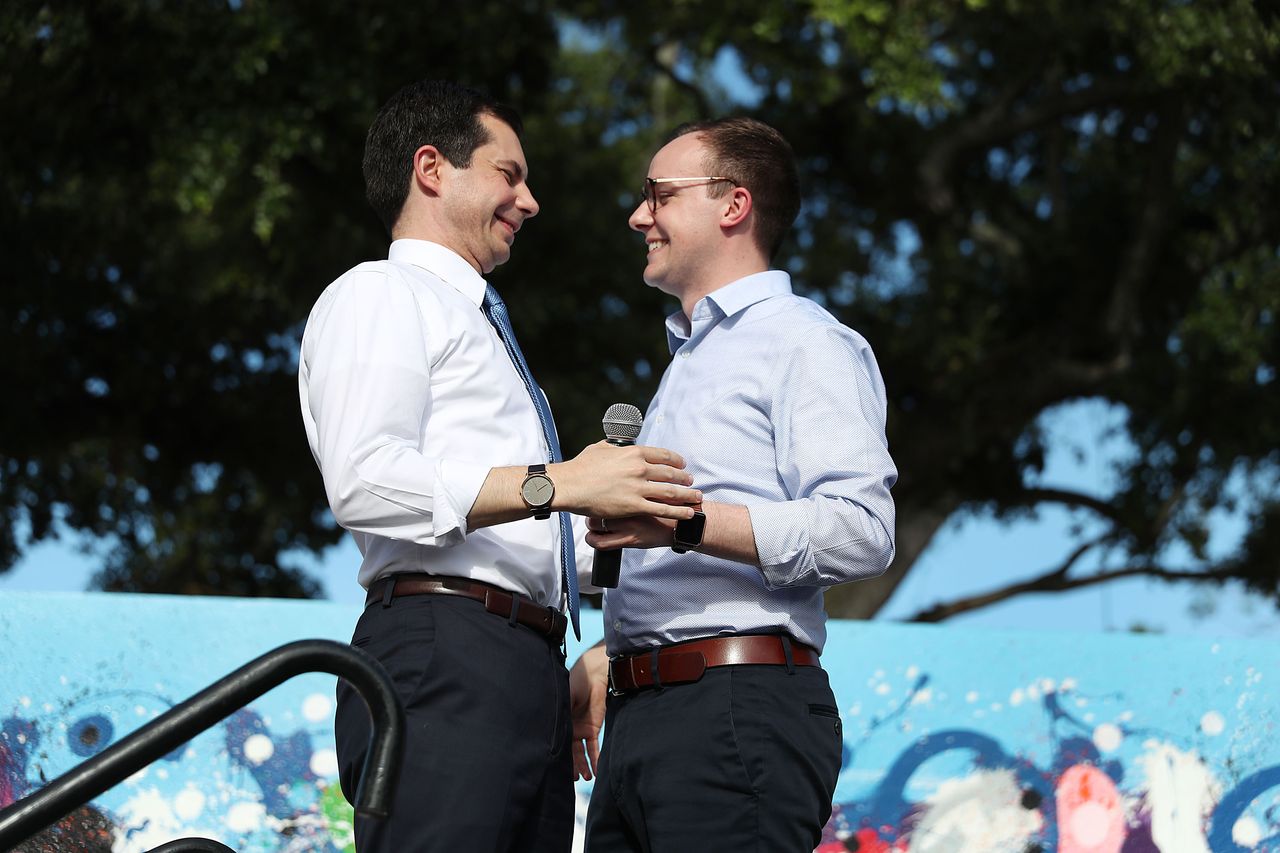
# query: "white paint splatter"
882 689
324 763
1180 793
1125 716
1108 737
1212 724
316 707
971 696
188 803
245 817
982 811
24 701
1048 685
1247 832
922 696
258 748
1015 698
139 710
1033 692
1068 684
913 671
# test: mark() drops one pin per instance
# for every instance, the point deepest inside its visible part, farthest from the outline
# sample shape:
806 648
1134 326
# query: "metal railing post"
158 738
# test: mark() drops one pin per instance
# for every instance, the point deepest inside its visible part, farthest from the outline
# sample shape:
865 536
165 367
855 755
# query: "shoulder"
381 285
798 324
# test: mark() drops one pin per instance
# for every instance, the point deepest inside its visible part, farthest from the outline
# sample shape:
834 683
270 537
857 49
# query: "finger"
667 474
663 510
593 751
581 763
610 541
661 455
669 493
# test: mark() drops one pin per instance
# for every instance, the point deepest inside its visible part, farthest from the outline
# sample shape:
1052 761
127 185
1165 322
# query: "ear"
428 164
737 209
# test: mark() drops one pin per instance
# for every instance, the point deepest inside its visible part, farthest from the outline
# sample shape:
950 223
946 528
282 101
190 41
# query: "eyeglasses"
649 195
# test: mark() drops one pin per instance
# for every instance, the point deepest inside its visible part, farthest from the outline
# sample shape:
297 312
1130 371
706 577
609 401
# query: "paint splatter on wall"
955 740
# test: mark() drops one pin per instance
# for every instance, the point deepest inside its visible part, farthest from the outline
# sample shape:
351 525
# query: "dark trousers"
487 765
745 759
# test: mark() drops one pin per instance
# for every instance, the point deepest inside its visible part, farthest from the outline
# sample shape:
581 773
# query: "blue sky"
969 555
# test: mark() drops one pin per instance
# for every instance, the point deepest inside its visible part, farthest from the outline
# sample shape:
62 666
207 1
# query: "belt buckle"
613 688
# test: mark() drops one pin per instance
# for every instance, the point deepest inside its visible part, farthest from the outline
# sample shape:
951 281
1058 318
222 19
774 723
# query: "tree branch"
994 123
1075 499
1056 580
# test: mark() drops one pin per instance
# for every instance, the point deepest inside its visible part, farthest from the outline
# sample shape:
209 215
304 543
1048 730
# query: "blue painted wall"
955 740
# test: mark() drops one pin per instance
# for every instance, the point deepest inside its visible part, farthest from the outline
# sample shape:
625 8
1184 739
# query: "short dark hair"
430 112
757 157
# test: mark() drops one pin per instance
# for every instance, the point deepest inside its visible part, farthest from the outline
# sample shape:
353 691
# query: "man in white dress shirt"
722 731
438 454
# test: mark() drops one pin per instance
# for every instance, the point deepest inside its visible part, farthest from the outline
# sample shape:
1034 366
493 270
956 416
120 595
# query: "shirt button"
617 624
684 353
661 418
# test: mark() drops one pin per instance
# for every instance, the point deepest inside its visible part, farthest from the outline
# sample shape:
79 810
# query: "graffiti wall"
955 740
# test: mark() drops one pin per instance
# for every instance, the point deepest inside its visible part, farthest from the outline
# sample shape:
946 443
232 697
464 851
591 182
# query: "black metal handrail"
158 738
192 845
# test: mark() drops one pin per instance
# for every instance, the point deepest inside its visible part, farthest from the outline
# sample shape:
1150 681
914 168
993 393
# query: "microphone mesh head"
622 422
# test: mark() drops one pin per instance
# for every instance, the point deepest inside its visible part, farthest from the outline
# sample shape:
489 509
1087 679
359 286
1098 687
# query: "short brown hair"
757 157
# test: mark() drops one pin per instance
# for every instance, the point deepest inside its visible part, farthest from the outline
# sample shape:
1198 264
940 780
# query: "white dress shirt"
776 406
409 399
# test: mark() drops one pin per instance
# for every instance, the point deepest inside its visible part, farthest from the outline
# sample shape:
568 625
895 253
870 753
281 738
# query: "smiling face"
486 203
682 234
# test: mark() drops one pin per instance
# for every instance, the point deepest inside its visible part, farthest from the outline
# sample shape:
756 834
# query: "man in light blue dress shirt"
722 730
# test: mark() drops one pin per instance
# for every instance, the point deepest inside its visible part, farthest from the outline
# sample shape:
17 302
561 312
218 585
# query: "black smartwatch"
537 490
688 534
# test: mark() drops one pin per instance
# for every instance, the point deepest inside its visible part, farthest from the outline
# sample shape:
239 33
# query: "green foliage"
1020 204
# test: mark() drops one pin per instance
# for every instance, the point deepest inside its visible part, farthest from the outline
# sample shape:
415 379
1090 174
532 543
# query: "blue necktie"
496 310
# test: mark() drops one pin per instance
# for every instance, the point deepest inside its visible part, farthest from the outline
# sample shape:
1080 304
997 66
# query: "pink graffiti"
1090 812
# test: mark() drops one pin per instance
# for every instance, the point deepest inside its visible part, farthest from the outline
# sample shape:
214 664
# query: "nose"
641 218
527 204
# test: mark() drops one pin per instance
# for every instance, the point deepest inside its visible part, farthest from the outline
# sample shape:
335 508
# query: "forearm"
728 534
602 480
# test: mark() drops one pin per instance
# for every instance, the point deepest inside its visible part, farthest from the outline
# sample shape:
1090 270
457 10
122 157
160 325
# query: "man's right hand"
616 482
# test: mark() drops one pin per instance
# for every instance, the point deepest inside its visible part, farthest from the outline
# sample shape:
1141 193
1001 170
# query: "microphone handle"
606 565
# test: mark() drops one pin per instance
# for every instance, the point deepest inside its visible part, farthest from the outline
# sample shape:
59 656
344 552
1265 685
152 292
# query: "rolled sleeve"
838 527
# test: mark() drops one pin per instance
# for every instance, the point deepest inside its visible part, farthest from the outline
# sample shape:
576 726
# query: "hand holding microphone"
621 427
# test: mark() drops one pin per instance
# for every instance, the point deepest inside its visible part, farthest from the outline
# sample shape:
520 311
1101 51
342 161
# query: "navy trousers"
487 765
746 759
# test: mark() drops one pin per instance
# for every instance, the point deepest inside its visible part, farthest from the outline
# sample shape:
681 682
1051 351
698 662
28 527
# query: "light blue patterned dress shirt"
776 406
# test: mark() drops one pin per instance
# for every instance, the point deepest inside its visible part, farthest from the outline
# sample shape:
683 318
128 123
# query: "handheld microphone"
621 426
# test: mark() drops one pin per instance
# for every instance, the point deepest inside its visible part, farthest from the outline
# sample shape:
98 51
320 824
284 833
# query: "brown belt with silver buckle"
500 602
685 663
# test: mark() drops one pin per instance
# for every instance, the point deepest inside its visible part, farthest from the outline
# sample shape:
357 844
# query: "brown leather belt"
684 663
500 602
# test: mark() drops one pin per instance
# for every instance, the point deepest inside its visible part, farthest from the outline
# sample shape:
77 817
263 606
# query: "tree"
1021 205
1018 204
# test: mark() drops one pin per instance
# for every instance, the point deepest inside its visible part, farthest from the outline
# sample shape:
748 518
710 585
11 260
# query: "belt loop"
515 611
657 676
786 653
388 590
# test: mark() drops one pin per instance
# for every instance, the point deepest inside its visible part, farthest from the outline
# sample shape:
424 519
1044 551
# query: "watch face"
537 490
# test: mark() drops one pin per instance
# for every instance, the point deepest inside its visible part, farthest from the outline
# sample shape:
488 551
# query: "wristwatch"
688 534
537 490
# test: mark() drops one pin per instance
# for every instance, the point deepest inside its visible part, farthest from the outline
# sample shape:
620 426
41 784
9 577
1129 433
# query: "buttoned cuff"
459 485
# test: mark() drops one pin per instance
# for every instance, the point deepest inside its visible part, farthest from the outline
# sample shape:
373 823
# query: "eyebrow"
513 166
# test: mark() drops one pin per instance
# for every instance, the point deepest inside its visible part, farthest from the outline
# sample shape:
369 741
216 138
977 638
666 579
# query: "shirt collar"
731 299
442 262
